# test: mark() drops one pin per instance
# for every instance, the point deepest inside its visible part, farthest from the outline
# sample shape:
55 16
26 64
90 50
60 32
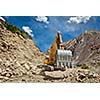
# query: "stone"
6 78
95 75
27 66
8 75
8 69
23 70
7 63
33 67
20 74
80 77
92 75
3 73
0 70
70 74
38 71
54 75
17 63
1 77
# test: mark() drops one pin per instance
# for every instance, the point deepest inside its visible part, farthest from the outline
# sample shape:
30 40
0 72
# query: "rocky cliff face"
18 56
86 49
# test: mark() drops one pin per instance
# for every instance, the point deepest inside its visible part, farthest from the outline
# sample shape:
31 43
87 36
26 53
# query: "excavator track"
51 68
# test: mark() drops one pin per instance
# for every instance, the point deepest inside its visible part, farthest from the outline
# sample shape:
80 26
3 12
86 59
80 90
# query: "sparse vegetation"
15 29
83 66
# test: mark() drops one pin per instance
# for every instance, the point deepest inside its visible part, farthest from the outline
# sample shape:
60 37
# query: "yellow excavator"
56 45
58 58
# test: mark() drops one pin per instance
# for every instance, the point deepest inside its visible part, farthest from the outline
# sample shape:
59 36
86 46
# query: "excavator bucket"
64 58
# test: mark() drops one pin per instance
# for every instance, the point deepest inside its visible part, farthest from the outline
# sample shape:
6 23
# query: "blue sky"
43 29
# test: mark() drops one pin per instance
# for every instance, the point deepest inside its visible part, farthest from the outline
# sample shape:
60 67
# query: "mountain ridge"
86 48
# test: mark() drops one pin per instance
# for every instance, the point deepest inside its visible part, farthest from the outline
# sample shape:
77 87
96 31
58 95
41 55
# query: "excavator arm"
56 45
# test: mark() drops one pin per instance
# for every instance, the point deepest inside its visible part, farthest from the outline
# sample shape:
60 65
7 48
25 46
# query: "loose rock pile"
19 60
72 75
18 56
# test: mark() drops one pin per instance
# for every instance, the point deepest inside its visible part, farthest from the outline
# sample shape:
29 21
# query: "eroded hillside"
18 55
86 49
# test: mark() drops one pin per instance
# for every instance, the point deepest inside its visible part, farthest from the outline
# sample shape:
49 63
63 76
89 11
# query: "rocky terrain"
20 57
86 50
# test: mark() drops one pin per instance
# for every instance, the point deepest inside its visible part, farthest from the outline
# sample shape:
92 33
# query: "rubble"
17 56
21 61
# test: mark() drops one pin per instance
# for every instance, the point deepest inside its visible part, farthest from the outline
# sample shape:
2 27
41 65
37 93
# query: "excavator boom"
56 45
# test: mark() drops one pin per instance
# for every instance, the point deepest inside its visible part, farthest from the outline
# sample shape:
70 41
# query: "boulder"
8 75
27 66
54 75
80 77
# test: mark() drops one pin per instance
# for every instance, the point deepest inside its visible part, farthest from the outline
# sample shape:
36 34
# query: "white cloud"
2 18
28 30
79 19
42 19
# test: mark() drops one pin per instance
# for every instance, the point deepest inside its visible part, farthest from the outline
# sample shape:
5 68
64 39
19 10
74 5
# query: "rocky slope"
86 49
18 56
